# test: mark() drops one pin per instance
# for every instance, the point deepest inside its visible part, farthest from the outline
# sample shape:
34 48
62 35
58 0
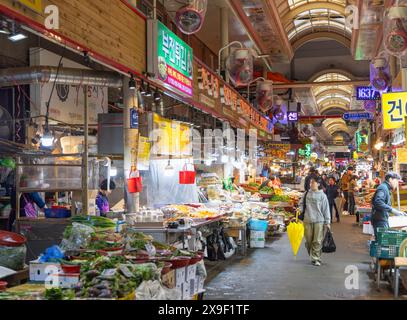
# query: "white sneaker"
345 213
317 263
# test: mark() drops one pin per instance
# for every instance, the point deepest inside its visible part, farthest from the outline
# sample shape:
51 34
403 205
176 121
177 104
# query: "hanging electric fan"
380 73
307 131
395 30
239 67
5 124
190 18
264 95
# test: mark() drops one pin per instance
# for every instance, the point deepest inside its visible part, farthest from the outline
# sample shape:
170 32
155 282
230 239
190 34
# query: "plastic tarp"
162 187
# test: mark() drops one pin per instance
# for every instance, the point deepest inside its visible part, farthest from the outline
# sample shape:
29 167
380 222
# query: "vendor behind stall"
102 202
27 206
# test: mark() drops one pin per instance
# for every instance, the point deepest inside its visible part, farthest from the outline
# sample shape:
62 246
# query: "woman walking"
317 217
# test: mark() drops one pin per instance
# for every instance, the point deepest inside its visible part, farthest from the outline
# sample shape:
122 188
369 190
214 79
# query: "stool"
398 263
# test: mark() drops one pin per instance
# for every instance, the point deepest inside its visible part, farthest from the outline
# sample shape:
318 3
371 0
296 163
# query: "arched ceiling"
307 20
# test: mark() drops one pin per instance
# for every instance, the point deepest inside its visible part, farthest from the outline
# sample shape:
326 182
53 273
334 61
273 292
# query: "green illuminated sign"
170 58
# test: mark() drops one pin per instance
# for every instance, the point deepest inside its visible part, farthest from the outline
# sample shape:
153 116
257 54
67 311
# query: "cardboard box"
190 273
368 228
169 279
40 271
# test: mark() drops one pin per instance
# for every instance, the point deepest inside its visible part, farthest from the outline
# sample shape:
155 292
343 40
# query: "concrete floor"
274 274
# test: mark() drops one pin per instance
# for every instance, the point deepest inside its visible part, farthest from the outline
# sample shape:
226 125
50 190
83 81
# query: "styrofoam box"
63 280
40 271
257 239
368 228
190 273
180 276
186 294
201 284
193 287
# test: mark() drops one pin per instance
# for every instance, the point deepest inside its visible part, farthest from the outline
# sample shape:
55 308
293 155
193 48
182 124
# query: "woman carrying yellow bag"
316 215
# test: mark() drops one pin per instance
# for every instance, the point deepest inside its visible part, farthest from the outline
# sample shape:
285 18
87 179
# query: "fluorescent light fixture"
17 37
113 172
208 162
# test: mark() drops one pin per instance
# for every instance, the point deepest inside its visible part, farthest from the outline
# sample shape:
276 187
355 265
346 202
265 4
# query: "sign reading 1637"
394 107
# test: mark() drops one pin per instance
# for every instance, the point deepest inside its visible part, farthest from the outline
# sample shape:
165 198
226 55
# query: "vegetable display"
266 190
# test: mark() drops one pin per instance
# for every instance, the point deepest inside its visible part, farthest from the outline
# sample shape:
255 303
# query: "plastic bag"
13 257
51 254
76 237
201 269
295 232
328 246
154 290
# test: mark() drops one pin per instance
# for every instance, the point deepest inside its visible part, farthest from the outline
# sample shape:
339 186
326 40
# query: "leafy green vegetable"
267 190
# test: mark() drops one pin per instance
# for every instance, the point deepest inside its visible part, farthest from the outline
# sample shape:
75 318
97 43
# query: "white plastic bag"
154 290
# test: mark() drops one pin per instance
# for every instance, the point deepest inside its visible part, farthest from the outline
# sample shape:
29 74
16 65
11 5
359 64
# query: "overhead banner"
169 58
394 109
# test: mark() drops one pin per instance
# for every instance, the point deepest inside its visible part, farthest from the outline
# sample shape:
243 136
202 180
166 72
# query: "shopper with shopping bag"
316 215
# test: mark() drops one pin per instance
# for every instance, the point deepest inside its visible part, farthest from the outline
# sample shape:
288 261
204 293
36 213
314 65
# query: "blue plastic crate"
258 225
57 213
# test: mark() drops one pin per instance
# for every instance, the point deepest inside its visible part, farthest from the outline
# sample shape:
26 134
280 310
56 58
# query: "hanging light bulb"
142 88
47 139
148 91
157 95
225 158
132 82
208 162
169 170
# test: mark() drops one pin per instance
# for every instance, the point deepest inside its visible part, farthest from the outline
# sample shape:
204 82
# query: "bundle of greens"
266 190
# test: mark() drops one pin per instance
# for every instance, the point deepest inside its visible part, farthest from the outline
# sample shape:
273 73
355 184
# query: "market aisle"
273 272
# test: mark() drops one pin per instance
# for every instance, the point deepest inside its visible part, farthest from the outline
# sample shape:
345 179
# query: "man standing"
382 202
332 193
345 187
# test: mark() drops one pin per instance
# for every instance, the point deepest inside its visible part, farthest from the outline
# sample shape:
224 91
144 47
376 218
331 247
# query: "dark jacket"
381 203
332 192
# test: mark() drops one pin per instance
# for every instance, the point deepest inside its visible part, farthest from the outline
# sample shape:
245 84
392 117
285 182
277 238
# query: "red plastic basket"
187 176
10 239
135 182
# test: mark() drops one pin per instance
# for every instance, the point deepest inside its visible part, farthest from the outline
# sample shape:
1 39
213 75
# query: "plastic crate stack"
388 243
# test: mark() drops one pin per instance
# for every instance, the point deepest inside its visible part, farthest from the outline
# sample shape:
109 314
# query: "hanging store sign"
292 116
133 119
367 93
277 150
401 155
169 58
357 116
394 109
213 92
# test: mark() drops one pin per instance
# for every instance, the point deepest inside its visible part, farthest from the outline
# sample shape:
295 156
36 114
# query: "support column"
224 33
130 142
85 164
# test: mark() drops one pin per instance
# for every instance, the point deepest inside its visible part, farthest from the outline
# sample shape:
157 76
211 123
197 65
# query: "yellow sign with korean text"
401 155
35 5
394 109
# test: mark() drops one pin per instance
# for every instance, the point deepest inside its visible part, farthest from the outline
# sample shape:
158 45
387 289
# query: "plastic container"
135 182
187 176
71 269
11 239
57 213
386 237
3 285
179 262
258 225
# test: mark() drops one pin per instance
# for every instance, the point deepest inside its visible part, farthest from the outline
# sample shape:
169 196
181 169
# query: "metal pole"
85 157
